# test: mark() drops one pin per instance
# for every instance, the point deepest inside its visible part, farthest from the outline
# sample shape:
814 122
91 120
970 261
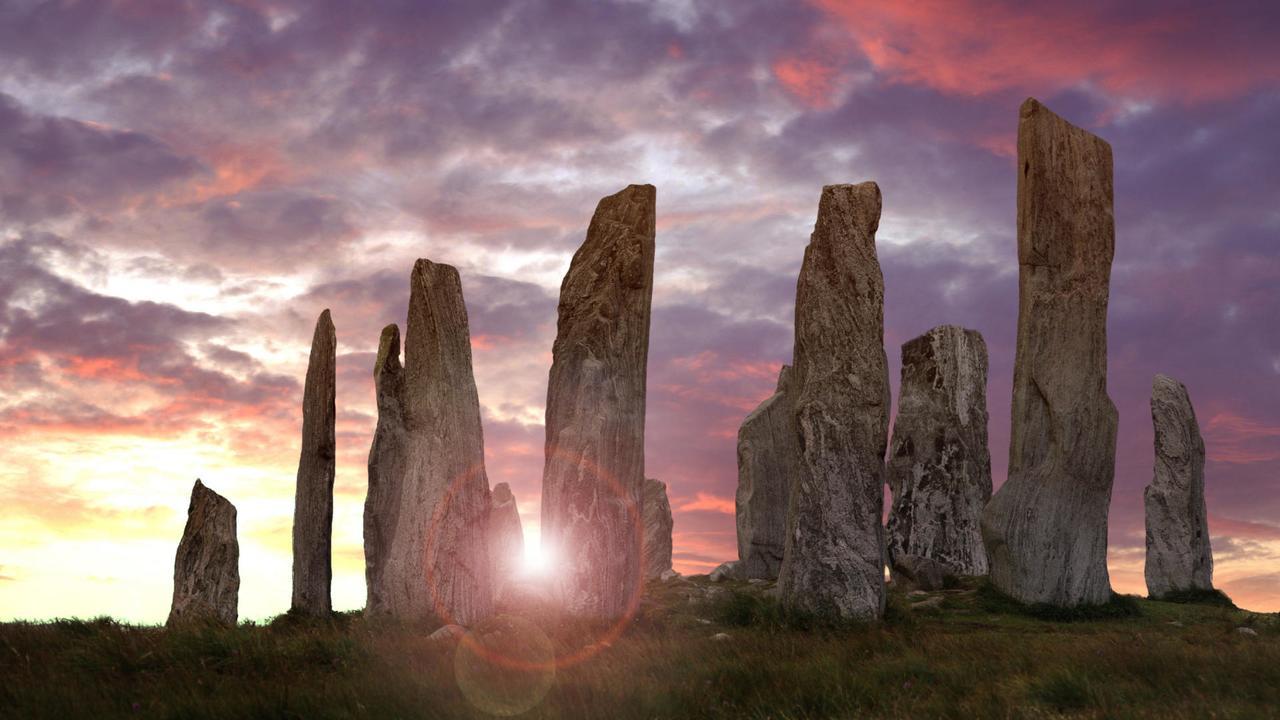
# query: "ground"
694 649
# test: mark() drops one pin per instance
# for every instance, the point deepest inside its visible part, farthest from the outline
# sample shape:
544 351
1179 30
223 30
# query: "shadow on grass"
740 609
991 599
1213 598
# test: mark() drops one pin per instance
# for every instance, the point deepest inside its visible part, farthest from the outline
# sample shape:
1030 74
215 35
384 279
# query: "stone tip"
425 268
388 348
502 494
1166 382
1029 107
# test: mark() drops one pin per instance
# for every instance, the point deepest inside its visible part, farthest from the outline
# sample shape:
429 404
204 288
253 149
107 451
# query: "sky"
185 186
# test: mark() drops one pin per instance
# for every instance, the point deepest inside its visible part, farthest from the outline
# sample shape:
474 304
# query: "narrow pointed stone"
766 462
506 537
384 501
313 496
1178 552
657 529
591 488
939 468
833 562
1046 528
206 569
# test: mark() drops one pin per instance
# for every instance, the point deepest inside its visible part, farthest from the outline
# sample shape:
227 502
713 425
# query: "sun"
537 560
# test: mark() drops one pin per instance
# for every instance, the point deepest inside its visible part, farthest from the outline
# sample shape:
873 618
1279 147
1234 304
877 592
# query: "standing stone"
206 570
506 537
833 562
1046 528
591 487
1178 552
766 457
387 458
313 497
939 467
657 529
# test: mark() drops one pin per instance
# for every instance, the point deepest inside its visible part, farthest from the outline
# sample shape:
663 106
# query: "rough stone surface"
1178 552
731 570
591 488
834 556
506 537
939 468
206 569
766 459
313 495
1046 528
428 508
657 529
923 572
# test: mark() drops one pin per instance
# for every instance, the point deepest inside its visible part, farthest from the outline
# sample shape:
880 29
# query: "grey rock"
1046 528
1178 552
939 468
668 575
767 454
591 488
925 573
657 529
313 494
834 556
1250 632
731 570
206 569
428 509
721 637
506 537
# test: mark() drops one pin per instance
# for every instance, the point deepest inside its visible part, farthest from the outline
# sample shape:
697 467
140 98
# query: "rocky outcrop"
939 468
313 495
426 517
206 570
834 557
1178 552
591 487
731 570
1046 528
506 537
657 529
766 458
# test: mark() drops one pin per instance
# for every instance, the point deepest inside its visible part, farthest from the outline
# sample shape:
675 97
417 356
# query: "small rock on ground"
1247 631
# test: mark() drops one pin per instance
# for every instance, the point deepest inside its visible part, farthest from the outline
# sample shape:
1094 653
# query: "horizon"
184 188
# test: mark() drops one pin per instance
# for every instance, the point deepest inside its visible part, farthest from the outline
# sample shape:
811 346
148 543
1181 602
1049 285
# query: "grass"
974 655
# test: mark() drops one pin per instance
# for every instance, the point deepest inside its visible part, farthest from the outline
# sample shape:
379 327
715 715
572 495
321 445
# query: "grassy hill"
961 653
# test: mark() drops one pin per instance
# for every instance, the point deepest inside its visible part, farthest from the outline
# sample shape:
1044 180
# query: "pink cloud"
707 502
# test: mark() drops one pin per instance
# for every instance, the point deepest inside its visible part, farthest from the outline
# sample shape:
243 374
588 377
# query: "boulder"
1046 528
506 537
384 501
731 570
1178 552
766 458
924 573
313 495
206 569
657 529
594 471
833 562
939 468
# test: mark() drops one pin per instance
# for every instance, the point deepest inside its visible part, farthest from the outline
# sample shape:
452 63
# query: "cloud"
706 502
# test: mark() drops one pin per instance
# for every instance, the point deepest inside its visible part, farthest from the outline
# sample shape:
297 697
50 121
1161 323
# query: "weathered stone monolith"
833 562
657 529
939 468
1046 528
428 508
1178 552
766 460
313 495
506 537
591 488
206 569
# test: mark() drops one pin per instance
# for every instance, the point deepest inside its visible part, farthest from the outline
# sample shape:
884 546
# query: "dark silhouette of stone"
387 464
939 468
313 496
206 569
506 537
1046 528
766 461
591 489
833 562
1178 553
657 529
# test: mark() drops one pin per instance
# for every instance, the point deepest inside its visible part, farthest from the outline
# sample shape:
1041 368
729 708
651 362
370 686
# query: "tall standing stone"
939 468
506 537
1178 552
657 529
834 557
1046 528
591 487
766 459
313 495
383 571
206 569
